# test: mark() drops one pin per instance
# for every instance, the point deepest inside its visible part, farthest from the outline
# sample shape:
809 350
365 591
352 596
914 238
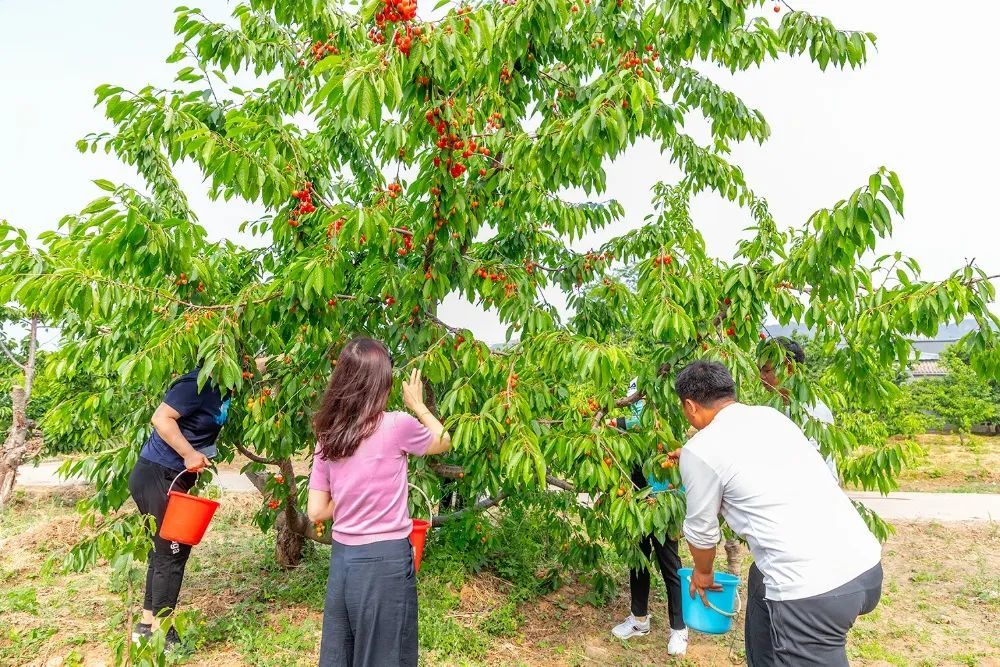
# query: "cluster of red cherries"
321 49
306 206
396 11
449 142
407 242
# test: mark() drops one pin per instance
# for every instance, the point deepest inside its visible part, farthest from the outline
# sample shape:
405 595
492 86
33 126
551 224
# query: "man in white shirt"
821 565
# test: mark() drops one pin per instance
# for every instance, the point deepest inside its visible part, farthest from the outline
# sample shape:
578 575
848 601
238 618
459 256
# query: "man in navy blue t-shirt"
186 425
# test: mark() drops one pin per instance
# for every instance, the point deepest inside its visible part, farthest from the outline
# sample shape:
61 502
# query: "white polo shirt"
756 467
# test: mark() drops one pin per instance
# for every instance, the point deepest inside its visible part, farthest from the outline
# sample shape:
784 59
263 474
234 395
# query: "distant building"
928 364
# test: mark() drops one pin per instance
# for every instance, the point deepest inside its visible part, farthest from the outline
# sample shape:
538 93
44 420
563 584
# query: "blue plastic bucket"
725 604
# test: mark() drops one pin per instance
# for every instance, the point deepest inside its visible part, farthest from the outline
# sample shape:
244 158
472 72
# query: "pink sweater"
369 489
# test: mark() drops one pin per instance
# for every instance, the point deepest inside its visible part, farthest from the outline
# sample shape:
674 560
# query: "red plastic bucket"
418 538
418 534
187 517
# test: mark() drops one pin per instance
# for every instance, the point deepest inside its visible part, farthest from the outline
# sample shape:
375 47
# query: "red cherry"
726 301
763 336
730 331
777 8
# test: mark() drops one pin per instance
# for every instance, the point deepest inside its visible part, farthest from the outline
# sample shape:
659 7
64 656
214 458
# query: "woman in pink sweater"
359 479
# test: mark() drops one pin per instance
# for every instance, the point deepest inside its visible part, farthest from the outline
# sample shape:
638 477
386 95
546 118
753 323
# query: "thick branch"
258 479
559 483
254 457
442 519
447 470
631 399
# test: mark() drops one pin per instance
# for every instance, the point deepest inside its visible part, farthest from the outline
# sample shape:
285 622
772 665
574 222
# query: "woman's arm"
320 505
165 422
413 397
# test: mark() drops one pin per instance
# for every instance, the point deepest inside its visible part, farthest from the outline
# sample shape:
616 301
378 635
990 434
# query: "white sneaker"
631 628
678 644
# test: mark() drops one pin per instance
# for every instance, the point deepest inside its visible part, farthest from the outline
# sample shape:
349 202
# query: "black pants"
370 615
757 623
638 580
148 485
813 631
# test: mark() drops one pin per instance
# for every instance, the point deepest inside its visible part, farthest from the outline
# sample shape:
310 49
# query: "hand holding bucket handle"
701 583
195 461
708 603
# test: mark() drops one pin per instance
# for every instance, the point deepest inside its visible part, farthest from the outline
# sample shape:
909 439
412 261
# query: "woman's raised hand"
413 392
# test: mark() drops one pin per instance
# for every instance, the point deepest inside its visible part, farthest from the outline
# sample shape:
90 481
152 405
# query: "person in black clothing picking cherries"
667 557
186 426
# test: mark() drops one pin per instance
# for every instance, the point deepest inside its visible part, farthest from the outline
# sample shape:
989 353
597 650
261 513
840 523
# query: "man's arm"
701 524
165 422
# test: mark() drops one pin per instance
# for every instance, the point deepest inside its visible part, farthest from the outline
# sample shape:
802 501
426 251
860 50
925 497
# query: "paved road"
933 506
901 506
44 474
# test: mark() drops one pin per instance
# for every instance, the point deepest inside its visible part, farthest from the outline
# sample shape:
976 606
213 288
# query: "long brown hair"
355 398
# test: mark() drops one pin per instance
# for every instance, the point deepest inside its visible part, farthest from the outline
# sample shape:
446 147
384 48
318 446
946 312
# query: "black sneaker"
141 631
173 641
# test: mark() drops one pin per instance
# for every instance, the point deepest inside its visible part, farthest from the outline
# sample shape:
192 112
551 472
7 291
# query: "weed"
22 599
18 643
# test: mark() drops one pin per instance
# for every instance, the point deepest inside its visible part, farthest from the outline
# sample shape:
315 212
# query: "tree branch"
10 356
559 483
438 321
442 519
29 366
447 470
254 457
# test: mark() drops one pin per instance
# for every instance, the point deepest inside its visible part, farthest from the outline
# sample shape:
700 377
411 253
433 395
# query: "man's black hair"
792 348
705 383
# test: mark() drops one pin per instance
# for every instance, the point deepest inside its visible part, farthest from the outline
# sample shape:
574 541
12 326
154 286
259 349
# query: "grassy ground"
949 465
941 603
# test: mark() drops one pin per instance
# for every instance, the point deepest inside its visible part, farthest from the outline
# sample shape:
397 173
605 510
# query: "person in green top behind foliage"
637 624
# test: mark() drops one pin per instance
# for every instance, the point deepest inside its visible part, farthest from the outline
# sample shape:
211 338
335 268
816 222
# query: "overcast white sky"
923 106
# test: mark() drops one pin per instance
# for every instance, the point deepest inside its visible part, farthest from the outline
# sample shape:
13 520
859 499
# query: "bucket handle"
198 473
734 614
171 487
430 507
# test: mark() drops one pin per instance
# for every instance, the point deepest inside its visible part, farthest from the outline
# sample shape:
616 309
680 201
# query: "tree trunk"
16 447
733 556
289 545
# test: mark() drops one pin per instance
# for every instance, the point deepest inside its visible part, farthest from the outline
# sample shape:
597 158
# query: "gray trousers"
811 631
370 615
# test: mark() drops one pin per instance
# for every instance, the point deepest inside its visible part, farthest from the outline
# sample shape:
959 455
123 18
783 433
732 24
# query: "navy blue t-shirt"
201 418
